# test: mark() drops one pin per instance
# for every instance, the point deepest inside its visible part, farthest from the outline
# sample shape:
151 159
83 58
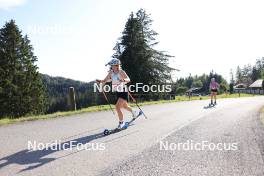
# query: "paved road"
140 150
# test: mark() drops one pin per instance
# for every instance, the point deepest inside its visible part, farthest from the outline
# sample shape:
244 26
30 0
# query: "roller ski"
122 125
211 105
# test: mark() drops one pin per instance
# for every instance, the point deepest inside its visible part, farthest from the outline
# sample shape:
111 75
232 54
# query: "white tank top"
117 85
115 77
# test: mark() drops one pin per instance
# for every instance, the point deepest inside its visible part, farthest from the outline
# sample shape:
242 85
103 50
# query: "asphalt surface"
141 149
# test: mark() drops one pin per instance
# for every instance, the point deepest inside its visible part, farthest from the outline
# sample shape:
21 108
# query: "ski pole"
108 102
134 100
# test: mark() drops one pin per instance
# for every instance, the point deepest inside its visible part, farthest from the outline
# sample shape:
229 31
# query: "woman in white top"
119 78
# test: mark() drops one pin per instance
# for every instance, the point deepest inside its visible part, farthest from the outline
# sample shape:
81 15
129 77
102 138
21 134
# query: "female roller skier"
214 86
119 78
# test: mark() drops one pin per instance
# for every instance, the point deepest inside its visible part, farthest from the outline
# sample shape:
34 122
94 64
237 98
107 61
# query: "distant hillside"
57 89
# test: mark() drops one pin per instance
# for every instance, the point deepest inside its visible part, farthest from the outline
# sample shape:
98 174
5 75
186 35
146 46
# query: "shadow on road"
35 158
209 106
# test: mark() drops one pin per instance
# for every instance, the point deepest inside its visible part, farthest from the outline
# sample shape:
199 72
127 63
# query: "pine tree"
239 75
256 74
189 81
136 51
21 88
232 82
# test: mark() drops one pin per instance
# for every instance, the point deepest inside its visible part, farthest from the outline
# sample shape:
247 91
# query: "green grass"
5 121
235 95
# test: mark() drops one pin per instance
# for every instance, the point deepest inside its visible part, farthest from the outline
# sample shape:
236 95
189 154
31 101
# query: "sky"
75 39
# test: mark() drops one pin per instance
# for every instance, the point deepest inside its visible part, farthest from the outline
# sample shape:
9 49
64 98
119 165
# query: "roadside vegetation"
5 121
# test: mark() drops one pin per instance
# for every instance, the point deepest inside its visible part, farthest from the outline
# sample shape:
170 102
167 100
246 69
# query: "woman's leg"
212 94
215 93
127 107
133 112
118 109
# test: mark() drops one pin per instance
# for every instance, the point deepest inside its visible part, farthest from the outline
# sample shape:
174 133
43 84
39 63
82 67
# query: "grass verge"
5 121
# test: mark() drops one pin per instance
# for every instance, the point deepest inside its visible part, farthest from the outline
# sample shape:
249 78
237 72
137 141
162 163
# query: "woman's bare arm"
107 78
124 76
